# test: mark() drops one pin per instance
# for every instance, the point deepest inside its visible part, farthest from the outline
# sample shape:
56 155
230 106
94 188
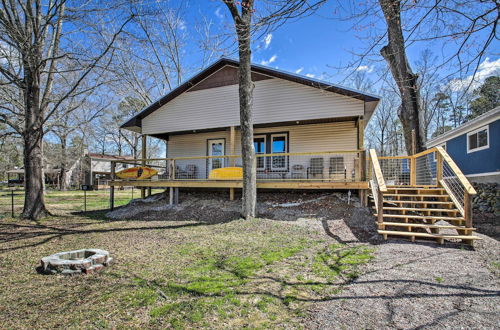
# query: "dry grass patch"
256 274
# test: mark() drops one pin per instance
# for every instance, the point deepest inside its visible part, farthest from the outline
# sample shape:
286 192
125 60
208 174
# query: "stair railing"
451 178
377 184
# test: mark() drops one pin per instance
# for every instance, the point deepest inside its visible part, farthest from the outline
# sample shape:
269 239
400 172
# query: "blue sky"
319 44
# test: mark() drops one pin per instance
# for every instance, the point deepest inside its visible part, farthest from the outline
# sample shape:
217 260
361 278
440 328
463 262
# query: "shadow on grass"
52 232
427 290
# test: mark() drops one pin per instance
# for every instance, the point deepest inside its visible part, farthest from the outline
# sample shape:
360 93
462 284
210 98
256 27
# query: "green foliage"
143 297
439 279
487 97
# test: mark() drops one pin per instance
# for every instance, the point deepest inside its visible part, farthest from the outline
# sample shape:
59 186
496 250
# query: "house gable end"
226 76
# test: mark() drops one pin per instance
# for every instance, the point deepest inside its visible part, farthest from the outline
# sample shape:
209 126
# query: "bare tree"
270 16
33 33
395 55
467 28
66 124
243 25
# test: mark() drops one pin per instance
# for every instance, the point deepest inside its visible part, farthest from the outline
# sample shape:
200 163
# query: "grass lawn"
255 274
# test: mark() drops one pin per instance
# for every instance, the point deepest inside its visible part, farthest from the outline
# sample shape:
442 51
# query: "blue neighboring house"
475 147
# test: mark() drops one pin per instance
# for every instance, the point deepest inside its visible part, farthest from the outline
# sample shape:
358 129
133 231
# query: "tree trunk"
34 203
246 122
395 55
63 173
243 25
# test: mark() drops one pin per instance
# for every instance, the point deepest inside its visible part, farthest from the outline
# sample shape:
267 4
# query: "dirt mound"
215 207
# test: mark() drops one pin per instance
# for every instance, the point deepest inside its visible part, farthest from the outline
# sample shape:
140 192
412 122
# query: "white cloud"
267 40
486 69
271 60
182 25
310 75
218 13
368 69
299 70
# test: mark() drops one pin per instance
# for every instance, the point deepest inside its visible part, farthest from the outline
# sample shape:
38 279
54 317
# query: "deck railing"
331 166
430 168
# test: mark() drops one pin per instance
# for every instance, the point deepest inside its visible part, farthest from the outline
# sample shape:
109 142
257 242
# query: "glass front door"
215 148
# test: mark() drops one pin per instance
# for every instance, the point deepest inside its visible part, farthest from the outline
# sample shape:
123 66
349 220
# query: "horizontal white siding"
275 100
338 136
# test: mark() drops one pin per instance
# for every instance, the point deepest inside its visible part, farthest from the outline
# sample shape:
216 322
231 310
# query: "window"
259 144
478 139
272 143
278 146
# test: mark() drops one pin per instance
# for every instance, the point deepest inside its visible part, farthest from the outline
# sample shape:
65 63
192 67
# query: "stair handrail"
378 186
377 171
449 173
463 179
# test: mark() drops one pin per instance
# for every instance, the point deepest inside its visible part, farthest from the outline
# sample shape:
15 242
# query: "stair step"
418 209
421 225
415 195
417 202
422 217
414 188
414 234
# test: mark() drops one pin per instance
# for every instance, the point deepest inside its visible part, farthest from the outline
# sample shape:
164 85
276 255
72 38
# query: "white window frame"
435 152
487 128
286 151
265 150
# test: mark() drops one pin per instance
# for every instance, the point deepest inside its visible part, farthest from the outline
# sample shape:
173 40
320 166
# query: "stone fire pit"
76 262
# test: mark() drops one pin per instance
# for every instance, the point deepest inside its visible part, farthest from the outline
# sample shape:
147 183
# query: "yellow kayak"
137 173
226 173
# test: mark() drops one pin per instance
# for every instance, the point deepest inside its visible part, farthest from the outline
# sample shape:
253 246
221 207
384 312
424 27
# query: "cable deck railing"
324 166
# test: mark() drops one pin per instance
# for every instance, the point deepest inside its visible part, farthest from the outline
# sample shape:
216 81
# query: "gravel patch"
419 285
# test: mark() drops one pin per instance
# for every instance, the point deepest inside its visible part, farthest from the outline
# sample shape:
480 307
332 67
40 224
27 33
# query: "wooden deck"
292 184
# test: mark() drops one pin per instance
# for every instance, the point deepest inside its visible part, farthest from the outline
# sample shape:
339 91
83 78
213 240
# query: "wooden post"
362 197
143 163
232 145
171 196
361 134
362 164
380 208
413 171
231 194
439 168
112 187
467 210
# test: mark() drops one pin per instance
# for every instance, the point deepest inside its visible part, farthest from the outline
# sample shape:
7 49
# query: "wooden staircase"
429 197
422 213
